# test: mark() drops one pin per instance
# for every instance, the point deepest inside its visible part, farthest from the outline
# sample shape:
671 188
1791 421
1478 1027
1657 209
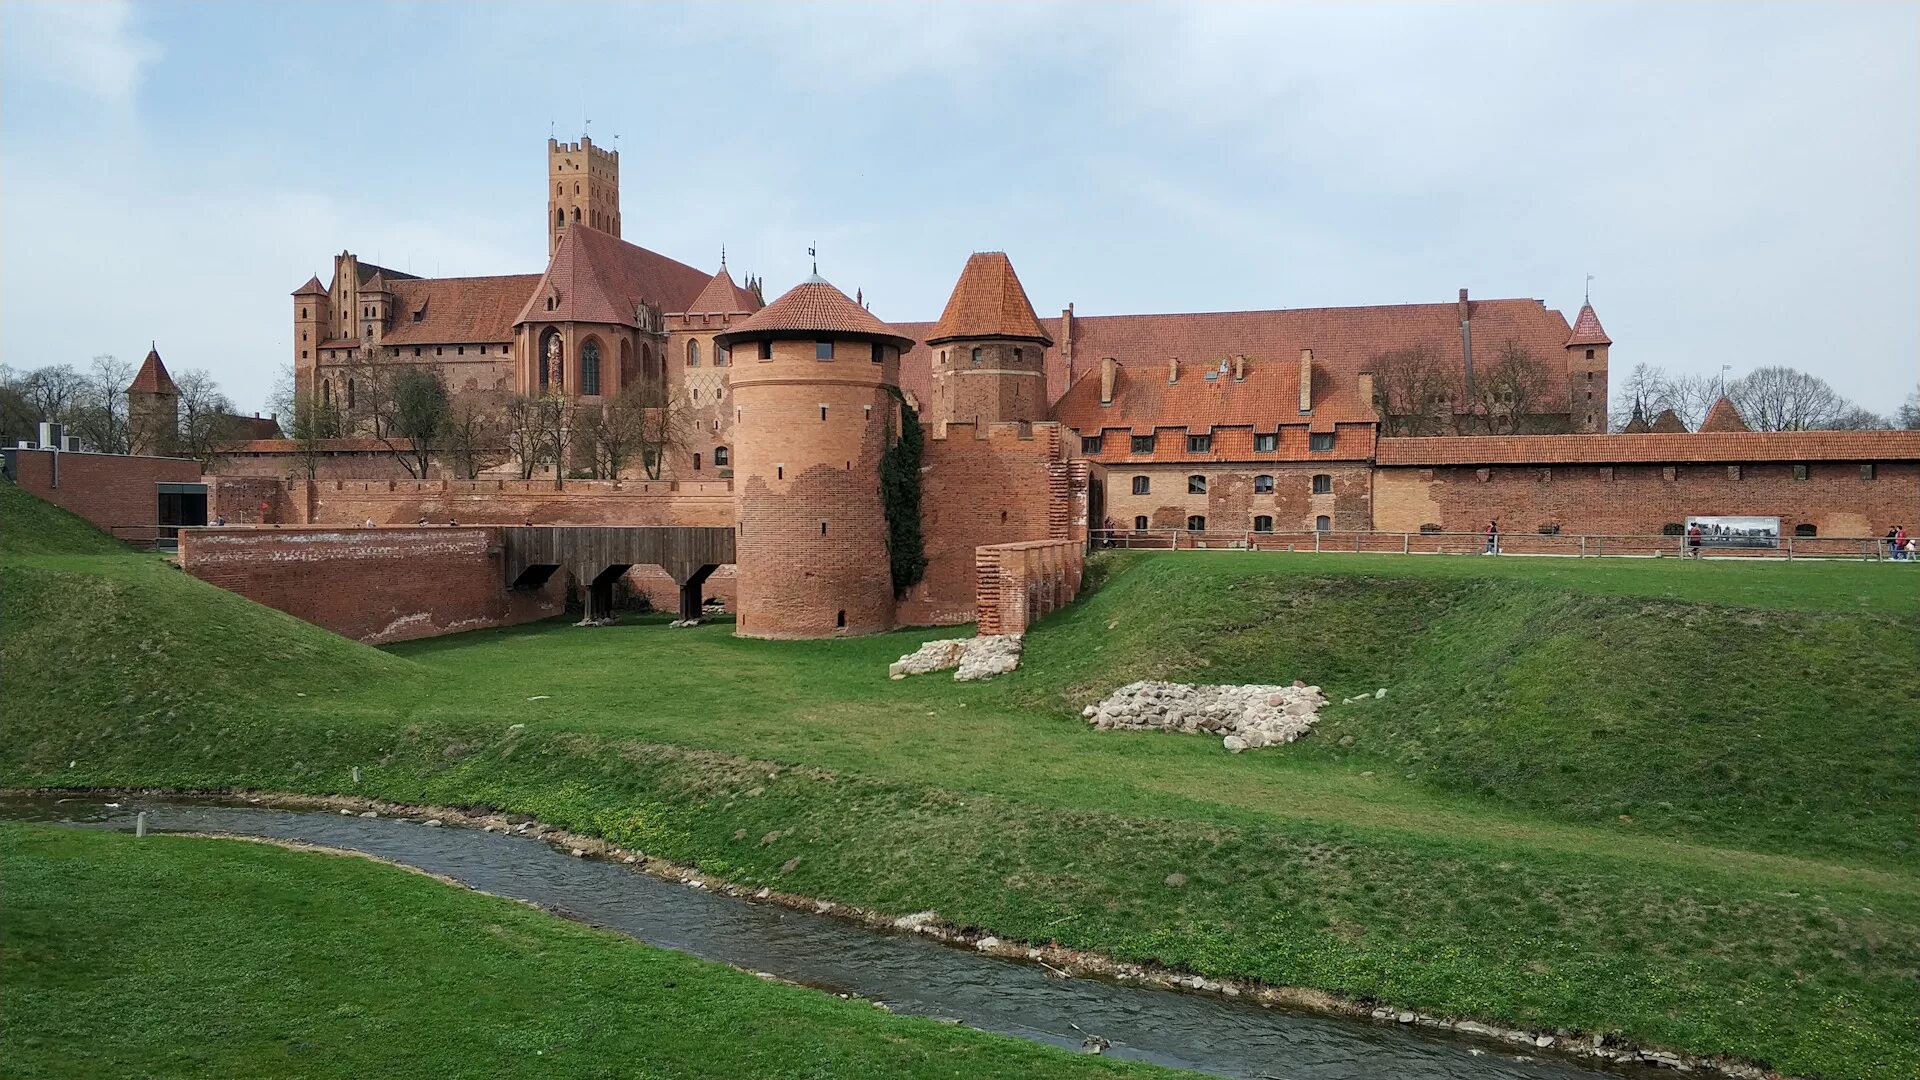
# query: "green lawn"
1668 800
190 957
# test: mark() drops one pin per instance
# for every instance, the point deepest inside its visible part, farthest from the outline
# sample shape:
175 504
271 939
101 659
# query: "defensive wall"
372 585
1018 584
478 502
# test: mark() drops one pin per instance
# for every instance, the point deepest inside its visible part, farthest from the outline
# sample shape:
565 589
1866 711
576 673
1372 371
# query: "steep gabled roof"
432 311
1724 417
723 297
1586 329
1668 423
1702 448
369 271
597 277
988 302
311 288
152 378
813 306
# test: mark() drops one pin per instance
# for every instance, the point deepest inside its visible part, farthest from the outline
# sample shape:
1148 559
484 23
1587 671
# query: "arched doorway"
549 362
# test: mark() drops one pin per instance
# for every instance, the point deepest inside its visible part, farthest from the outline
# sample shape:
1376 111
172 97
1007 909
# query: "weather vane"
1589 297
815 256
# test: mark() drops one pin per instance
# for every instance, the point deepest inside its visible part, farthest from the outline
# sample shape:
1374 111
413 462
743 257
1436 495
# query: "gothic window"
1322 484
349 393
559 217
1263 484
696 461
693 353
576 213
722 457
326 392
547 359
1142 485
590 368
976 357
721 356
626 362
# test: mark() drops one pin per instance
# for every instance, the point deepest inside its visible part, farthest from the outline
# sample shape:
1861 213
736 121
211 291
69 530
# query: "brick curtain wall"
488 502
372 585
1020 583
114 491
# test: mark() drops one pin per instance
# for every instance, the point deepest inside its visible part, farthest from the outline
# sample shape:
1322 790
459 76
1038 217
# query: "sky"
1742 182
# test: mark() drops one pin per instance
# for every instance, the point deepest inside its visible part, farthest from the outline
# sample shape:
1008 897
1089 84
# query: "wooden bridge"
599 555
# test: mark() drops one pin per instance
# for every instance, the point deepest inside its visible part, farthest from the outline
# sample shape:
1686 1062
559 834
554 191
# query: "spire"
1724 416
988 302
152 378
1587 330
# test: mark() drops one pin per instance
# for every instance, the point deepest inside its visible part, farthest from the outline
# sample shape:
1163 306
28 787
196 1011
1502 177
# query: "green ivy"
900 491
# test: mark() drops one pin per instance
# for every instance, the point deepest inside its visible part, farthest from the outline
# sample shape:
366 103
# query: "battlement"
1045 432
584 146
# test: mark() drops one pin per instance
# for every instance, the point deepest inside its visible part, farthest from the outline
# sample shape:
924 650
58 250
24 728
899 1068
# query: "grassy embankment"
181 956
1669 801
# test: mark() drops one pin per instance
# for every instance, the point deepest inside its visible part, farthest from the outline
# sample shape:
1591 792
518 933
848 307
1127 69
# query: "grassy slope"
1465 855
150 958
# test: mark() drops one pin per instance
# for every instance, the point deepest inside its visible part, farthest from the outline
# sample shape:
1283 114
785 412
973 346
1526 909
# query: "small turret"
989 359
1587 373
153 408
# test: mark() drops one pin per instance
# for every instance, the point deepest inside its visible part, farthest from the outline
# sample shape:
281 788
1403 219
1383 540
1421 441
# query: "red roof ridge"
988 301
1449 305
722 297
813 306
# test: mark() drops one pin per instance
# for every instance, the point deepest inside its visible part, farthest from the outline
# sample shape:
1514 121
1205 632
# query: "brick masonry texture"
115 492
372 585
1020 583
1232 500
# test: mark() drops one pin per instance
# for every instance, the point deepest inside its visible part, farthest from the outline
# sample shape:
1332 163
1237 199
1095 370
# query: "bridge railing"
1580 545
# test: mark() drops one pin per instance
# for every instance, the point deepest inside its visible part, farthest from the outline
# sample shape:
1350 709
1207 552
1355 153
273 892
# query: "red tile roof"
1586 329
311 288
813 306
253 427
152 378
1206 397
450 311
988 302
329 446
1710 447
1724 417
723 297
1668 423
597 277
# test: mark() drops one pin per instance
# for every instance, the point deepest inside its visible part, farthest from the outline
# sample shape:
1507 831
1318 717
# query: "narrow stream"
911 974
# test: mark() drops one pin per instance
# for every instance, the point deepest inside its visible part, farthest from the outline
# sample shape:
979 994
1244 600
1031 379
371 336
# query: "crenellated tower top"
583 186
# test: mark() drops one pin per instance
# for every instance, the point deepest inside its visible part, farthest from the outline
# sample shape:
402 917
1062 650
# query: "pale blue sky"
1740 179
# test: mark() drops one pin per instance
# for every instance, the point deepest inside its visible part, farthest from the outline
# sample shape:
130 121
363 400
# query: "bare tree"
18 419
477 436
1414 391
100 415
533 427
1908 415
53 392
420 412
1654 389
207 422
1785 399
666 427
1855 418
1514 392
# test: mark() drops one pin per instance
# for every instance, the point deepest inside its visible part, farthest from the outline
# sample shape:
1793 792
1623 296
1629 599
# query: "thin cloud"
93 47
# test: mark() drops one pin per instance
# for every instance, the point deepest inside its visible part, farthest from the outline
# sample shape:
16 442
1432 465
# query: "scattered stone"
1176 879
790 865
433 823
1380 693
1094 1044
577 853
539 697
1245 717
1346 740
679 624
987 944
763 894
974 657
919 920
739 834
346 813
368 813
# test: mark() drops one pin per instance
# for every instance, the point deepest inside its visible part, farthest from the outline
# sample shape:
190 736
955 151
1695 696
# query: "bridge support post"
692 585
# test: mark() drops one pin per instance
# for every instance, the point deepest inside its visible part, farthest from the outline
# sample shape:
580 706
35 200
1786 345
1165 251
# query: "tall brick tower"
583 185
153 408
1587 374
989 349
312 323
813 378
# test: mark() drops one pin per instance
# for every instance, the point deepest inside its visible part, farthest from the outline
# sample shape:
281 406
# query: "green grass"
191 957
1669 800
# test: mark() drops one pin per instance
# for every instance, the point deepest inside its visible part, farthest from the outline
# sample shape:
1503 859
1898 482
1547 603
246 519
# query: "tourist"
1893 542
368 524
1493 538
1902 543
1693 540
220 521
423 519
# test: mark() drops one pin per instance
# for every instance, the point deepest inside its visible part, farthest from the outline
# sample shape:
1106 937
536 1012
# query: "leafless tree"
608 435
1855 418
1786 399
666 427
476 437
207 422
1908 415
1511 396
1654 389
533 428
99 416
1414 391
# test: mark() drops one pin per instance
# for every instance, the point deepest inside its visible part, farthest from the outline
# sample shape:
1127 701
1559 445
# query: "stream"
911 974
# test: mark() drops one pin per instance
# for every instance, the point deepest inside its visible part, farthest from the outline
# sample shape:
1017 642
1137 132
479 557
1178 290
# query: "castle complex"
1268 427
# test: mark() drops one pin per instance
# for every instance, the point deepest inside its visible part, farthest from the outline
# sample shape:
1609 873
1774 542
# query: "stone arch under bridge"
600 554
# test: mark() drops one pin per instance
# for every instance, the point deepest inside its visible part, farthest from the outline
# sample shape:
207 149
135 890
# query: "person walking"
1693 540
1902 544
1893 542
1493 538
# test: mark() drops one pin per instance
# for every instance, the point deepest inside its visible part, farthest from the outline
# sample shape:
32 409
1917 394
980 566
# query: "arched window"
1262 523
547 361
696 461
559 216
1263 484
326 392
721 355
1142 485
651 367
840 620
1322 484
721 457
1323 523
590 368
349 393
1196 484
693 353
626 362
976 356
1196 523
1804 530
576 213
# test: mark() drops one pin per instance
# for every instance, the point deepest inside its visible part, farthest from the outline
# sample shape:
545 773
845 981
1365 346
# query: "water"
911 974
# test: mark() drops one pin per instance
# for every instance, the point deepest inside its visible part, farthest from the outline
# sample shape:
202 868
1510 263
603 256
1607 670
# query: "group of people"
1900 546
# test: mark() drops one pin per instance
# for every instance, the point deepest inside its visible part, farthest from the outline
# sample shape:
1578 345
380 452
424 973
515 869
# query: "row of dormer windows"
1317 441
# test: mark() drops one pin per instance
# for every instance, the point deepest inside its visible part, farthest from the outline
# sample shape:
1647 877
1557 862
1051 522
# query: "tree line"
92 403
1774 398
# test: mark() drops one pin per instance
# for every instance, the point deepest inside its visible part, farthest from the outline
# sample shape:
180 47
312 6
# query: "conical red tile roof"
1586 329
812 307
311 288
1668 423
988 302
723 297
1723 416
152 378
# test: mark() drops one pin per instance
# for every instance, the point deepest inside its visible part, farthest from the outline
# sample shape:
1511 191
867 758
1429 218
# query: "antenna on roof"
551 126
814 254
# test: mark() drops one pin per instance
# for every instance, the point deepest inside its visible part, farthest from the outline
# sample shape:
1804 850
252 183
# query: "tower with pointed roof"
312 316
814 381
153 408
583 185
1587 374
988 349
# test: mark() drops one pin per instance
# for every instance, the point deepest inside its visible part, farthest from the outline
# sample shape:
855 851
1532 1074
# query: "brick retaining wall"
1020 583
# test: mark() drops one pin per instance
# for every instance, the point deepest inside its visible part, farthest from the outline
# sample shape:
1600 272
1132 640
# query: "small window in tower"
1196 523
1142 444
823 528
1090 444
1142 485
840 620
722 457
303 313
823 350
1322 484
303 354
823 412
721 356
576 213
879 353
693 354
779 472
976 357
943 356
1196 484
696 461
439 350
766 350
1799 472
1866 472
1262 523
459 350
1263 484
1589 356
416 350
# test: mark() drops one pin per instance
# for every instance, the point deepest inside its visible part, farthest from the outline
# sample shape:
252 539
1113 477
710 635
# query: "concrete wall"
372 585
1020 583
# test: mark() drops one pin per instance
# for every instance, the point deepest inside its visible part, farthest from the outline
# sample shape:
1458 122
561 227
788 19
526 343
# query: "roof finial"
859 297
1588 299
814 254
723 258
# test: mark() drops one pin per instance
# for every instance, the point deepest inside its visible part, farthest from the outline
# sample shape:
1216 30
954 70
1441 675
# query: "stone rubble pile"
974 657
1245 717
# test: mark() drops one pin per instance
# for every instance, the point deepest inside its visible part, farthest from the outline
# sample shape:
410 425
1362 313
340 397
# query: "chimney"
1240 368
1366 390
1107 366
1066 341
1173 369
1306 380
1466 343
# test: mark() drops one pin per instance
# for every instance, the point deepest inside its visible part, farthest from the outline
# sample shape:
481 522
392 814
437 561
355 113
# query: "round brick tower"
989 350
812 381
